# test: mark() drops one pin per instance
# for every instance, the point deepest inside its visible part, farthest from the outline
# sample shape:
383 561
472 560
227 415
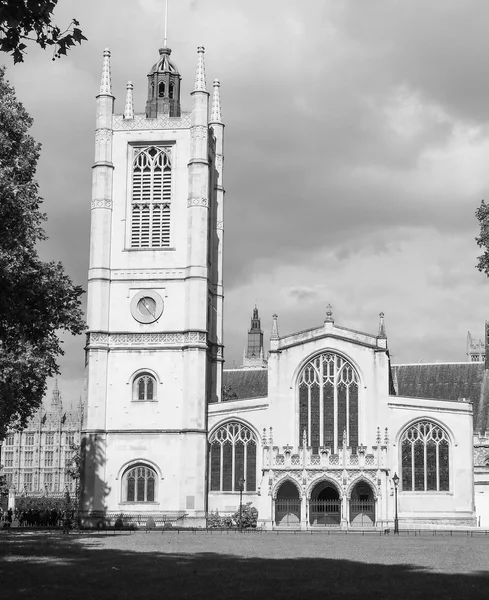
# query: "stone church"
322 432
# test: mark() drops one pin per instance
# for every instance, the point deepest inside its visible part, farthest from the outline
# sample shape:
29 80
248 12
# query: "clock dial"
147 306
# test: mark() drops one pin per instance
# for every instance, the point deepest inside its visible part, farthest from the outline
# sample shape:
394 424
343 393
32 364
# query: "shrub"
249 514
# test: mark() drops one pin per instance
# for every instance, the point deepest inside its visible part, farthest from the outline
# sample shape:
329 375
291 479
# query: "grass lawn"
236 566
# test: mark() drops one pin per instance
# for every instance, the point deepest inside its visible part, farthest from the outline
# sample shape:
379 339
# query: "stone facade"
35 460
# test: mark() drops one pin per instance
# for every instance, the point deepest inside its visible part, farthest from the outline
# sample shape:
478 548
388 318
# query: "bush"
249 514
150 523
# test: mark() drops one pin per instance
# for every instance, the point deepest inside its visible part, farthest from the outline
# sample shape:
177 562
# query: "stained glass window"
144 387
232 456
328 402
425 458
140 483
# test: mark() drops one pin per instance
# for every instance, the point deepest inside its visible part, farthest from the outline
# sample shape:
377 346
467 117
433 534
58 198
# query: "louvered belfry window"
151 198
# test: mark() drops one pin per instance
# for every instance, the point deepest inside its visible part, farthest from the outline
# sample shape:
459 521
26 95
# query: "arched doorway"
288 505
325 505
362 505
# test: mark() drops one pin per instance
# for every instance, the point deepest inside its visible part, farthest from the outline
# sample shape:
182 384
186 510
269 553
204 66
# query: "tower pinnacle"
129 108
105 82
253 355
200 85
216 103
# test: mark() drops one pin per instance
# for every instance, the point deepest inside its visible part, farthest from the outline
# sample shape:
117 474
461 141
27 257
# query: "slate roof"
447 381
247 383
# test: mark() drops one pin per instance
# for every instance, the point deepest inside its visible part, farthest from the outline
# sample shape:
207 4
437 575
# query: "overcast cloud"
356 152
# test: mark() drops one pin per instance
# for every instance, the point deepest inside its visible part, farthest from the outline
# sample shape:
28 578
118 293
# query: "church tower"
154 348
253 357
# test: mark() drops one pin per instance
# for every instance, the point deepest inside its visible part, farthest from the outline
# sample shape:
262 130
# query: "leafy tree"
37 299
74 467
31 20
482 215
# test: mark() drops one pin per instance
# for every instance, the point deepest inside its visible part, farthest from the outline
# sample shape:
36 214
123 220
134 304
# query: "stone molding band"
179 338
197 201
101 203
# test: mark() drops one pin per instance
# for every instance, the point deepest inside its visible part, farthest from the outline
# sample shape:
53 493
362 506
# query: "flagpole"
166 23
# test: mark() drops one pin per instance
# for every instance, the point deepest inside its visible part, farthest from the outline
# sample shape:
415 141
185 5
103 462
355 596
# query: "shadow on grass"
50 566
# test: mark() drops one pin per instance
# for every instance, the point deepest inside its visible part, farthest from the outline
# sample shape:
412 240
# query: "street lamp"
241 488
395 481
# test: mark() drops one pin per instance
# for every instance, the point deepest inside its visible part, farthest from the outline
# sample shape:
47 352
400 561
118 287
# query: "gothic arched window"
425 458
151 198
171 94
328 402
139 484
144 387
161 89
232 457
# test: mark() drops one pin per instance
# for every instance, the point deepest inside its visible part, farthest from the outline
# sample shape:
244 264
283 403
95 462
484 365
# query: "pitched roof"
447 381
246 383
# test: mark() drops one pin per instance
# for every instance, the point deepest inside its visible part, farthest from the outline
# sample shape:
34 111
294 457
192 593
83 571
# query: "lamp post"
241 487
395 481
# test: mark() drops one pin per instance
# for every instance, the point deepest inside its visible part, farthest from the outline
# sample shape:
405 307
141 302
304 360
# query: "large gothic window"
425 458
151 197
139 484
328 402
232 457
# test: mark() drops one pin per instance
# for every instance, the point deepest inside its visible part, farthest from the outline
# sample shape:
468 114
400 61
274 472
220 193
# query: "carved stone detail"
161 122
101 203
198 132
219 160
103 136
220 225
197 201
135 339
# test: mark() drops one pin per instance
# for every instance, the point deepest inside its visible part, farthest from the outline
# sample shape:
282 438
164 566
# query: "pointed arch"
361 479
280 482
323 479
328 400
233 450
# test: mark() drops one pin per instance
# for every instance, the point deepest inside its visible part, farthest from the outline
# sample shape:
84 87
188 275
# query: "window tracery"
139 484
144 387
425 458
328 402
232 457
151 198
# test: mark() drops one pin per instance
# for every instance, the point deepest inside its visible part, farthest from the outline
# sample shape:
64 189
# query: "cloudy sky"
357 150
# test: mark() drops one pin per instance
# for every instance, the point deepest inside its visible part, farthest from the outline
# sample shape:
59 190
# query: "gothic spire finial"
329 314
216 103
200 85
382 333
105 82
274 335
129 108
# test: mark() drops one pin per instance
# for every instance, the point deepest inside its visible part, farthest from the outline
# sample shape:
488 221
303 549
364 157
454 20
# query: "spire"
129 108
329 314
200 85
105 83
274 335
216 103
382 334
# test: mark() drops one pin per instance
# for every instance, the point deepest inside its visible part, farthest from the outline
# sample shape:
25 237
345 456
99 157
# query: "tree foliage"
37 299
31 20
482 215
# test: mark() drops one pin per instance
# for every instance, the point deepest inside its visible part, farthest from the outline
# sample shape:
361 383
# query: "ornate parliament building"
323 432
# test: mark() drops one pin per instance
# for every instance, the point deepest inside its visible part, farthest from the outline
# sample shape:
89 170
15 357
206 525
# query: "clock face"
147 306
